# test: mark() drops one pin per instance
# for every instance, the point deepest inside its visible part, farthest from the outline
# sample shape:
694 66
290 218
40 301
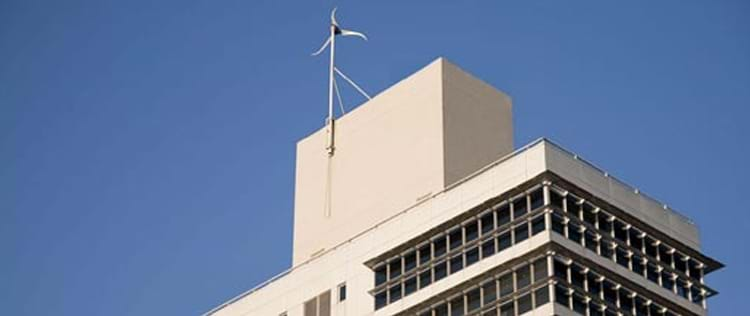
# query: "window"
605 224
588 214
650 246
556 198
652 273
540 269
342 292
623 257
472 231
320 305
592 242
489 290
626 300
395 268
380 301
440 270
380 275
488 248
562 296
574 233
457 306
667 280
440 246
488 223
537 199
506 284
541 296
610 294
441 310
571 206
472 256
503 215
424 254
577 277
638 266
410 286
520 207
665 255
620 233
522 232
457 263
524 304
394 293
473 300
558 224
504 241
425 278
523 277
606 249
561 270
455 238
635 239
507 309
579 304
537 225
410 261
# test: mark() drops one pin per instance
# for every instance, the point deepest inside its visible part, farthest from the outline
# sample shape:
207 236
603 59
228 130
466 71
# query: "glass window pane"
557 224
556 199
561 296
424 254
472 231
457 306
537 198
520 207
503 215
541 296
537 225
380 300
574 232
425 278
410 261
410 286
540 269
504 241
472 256
456 238
441 310
506 284
488 248
489 292
395 268
523 277
507 309
488 223
380 275
394 293
521 232
439 246
440 270
473 300
457 263
524 304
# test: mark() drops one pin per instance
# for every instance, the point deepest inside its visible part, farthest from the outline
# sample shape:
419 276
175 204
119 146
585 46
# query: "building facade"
425 209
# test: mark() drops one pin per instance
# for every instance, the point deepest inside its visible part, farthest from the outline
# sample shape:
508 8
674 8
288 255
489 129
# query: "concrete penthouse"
427 209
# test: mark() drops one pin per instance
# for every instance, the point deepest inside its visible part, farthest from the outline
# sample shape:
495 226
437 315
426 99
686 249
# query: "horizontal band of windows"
435 270
462 239
596 287
516 289
613 227
632 260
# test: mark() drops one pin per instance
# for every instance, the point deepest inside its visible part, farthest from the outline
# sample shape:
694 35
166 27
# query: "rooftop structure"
426 209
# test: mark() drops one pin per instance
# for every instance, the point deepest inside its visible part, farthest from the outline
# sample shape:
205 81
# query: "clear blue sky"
147 147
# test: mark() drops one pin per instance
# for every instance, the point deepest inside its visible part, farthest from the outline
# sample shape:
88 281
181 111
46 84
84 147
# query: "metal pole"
329 123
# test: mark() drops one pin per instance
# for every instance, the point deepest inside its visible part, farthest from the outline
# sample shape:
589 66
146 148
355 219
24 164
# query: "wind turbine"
332 70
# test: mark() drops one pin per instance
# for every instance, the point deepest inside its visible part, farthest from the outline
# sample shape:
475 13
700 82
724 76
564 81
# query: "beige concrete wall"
410 141
478 123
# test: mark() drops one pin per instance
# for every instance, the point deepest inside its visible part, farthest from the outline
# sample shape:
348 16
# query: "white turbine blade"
322 48
333 16
353 33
